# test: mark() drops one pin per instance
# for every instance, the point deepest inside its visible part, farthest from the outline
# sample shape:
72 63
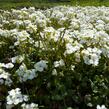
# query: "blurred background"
8 4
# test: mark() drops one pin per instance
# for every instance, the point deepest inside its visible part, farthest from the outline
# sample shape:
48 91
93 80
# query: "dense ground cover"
54 58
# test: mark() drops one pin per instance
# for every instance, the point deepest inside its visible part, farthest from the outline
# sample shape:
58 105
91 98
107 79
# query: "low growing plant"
56 58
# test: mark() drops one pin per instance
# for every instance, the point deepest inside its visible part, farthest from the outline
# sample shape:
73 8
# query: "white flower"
32 74
17 59
31 28
9 66
69 108
54 72
22 36
2 65
72 67
25 97
41 65
59 63
72 48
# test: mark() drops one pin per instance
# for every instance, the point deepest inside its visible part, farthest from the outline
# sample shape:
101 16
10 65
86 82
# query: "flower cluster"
101 107
41 65
15 97
24 74
29 106
55 55
5 78
91 56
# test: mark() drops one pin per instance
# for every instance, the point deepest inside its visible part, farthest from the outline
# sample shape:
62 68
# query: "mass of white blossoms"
24 74
49 42
15 97
101 107
5 77
79 30
91 56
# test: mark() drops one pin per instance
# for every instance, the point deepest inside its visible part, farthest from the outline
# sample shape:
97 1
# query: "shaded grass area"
42 5
6 4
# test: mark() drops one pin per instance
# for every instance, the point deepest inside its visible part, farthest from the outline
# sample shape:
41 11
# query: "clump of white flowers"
25 74
72 48
41 65
59 63
101 107
21 37
15 97
5 78
54 72
91 56
8 65
29 106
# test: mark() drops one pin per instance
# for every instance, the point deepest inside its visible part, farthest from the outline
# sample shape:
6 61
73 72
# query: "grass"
8 4
42 5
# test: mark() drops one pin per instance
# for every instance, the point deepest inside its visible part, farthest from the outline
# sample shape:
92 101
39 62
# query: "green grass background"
8 4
